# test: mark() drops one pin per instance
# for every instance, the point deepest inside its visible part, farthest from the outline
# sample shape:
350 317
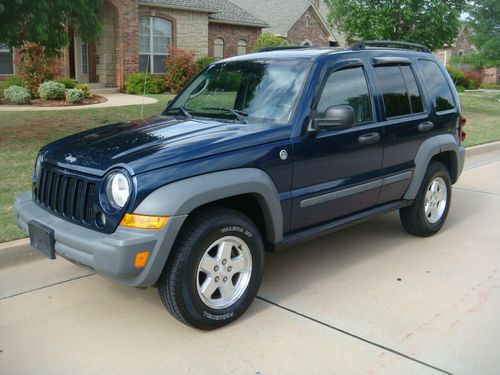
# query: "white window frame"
4 48
242 43
216 45
152 54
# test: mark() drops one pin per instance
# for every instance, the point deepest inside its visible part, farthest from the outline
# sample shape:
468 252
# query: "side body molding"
182 197
428 149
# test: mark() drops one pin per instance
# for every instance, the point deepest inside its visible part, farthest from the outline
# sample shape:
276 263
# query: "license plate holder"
42 238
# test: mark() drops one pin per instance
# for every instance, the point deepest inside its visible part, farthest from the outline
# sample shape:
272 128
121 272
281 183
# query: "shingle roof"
228 11
220 10
279 14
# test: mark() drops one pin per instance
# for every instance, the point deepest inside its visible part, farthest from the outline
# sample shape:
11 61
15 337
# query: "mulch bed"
95 99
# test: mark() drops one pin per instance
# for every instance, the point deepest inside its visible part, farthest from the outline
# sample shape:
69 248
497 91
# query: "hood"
146 144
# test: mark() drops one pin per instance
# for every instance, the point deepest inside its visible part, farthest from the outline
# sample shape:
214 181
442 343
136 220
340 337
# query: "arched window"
155 35
308 21
242 47
306 43
460 53
219 48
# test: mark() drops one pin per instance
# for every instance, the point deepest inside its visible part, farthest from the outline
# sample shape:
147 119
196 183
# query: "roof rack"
389 44
281 48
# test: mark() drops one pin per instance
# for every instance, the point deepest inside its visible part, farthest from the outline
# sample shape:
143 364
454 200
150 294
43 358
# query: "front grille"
68 196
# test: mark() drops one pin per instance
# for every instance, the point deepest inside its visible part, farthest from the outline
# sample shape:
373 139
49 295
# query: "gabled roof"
281 15
221 11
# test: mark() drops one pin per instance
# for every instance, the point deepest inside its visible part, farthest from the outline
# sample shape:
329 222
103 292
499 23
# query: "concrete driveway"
370 299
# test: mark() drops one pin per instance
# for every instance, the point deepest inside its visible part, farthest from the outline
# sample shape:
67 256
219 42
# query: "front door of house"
81 52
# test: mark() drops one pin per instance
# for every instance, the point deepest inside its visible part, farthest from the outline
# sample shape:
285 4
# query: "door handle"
368 138
425 126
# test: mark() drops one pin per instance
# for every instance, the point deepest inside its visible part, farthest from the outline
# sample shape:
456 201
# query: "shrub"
471 85
34 67
460 88
18 95
135 84
85 89
74 96
14 81
269 40
181 68
69 83
457 76
203 61
51 90
476 77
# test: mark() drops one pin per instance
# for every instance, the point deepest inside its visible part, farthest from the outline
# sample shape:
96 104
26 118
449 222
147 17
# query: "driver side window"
347 87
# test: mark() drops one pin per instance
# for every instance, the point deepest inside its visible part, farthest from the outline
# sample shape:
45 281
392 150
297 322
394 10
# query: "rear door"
406 122
338 172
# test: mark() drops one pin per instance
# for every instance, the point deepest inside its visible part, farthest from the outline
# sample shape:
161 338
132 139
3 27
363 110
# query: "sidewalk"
114 100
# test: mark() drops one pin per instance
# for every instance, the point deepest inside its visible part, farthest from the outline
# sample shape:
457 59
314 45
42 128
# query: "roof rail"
389 44
281 48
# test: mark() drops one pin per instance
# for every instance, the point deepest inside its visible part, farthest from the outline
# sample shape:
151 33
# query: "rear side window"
347 87
399 90
437 87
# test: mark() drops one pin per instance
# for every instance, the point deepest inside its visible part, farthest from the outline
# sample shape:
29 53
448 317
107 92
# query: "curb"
18 252
482 149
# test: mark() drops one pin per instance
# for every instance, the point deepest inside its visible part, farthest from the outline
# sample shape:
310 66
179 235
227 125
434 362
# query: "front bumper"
111 255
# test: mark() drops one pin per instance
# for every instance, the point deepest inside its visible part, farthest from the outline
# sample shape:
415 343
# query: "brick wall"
308 28
231 34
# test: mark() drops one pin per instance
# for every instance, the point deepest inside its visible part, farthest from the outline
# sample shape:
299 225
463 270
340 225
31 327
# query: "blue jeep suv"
256 153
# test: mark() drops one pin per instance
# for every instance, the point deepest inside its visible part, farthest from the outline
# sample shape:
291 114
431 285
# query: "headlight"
38 168
118 189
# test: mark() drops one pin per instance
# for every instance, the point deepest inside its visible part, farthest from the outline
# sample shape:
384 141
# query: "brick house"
300 22
463 46
135 34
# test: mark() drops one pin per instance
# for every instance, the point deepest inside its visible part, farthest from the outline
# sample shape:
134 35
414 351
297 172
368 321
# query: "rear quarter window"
437 86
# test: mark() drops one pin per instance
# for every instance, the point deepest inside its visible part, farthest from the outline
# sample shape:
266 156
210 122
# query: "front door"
338 172
81 52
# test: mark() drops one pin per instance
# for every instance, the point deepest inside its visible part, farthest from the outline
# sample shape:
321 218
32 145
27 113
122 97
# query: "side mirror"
336 117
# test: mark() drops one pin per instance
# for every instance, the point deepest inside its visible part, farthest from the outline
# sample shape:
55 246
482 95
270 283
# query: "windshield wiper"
240 115
184 111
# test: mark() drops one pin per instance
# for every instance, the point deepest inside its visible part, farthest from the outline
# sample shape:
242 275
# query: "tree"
485 22
433 23
269 40
46 22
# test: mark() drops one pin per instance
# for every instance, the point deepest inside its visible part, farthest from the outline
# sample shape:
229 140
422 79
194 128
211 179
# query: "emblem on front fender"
283 154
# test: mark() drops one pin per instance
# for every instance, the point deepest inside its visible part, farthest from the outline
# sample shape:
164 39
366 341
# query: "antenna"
144 89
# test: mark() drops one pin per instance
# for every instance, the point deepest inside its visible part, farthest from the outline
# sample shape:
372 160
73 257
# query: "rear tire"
215 269
429 210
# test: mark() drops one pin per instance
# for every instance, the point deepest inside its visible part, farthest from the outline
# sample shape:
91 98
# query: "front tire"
215 269
428 212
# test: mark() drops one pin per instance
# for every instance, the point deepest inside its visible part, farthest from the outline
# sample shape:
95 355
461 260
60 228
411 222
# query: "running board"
335 225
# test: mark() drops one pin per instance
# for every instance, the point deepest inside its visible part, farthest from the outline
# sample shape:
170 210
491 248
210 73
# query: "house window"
242 47
155 35
6 65
85 58
308 21
218 48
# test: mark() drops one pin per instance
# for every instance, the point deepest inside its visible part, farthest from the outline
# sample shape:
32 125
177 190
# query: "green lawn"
23 133
482 111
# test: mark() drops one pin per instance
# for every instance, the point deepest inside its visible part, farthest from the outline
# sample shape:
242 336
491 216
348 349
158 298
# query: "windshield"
248 91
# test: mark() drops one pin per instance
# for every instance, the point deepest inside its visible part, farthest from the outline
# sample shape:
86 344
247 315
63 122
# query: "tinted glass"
347 87
411 84
436 85
262 91
394 91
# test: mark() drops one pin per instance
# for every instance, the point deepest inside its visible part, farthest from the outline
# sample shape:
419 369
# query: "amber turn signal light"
141 259
144 221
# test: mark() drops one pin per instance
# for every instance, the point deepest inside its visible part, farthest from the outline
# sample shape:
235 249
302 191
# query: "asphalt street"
370 300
